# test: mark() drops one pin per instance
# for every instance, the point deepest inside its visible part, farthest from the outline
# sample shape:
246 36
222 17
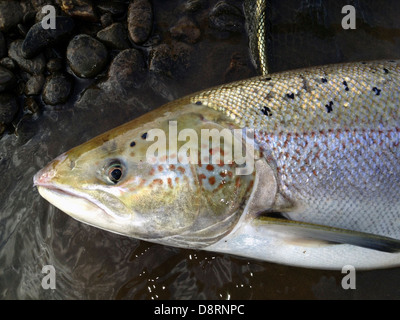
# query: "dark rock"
54 65
86 56
3 46
185 30
193 5
33 66
106 19
79 9
171 60
114 36
30 105
34 85
7 63
8 107
225 17
140 20
127 71
57 89
7 79
39 38
113 7
10 14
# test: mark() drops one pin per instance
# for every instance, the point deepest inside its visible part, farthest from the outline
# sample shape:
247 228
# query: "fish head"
156 178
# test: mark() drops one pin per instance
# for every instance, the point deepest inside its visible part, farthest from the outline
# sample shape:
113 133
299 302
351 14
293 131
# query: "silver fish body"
332 136
328 160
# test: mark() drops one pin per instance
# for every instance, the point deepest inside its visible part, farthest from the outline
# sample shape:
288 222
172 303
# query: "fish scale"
332 135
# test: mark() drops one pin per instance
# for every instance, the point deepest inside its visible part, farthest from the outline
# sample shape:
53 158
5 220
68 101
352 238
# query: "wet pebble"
226 17
106 19
34 85
185 30
57 89
79 9
8 107
171 60
3 47
140 20
115 36
10 14
127 71
7 79
38 38
54 65
86 56
193 5
33 66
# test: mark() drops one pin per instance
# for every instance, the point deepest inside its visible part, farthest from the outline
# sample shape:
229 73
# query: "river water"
94 264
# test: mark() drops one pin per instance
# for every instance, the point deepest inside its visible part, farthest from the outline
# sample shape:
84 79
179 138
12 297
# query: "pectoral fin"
315 232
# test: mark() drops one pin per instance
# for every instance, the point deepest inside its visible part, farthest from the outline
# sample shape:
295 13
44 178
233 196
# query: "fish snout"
46 175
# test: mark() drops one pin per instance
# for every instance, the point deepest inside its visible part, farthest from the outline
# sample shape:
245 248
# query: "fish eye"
115 172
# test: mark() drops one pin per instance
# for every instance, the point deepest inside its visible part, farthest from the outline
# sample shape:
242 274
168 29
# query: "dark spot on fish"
199 103
267 78
328 107
385 70
363 62
71 164
133 143
376 90
345 86
266 111
291 95
324 80
144 136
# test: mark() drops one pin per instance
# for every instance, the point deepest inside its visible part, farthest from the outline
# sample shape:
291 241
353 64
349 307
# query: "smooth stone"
54 65
106 19
38 38
7 79
10 14
185 30
127 70
8 107
57 89
32 66
193 5
114 36
140 21
225 17
79 9
171 60
34 85
86 56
